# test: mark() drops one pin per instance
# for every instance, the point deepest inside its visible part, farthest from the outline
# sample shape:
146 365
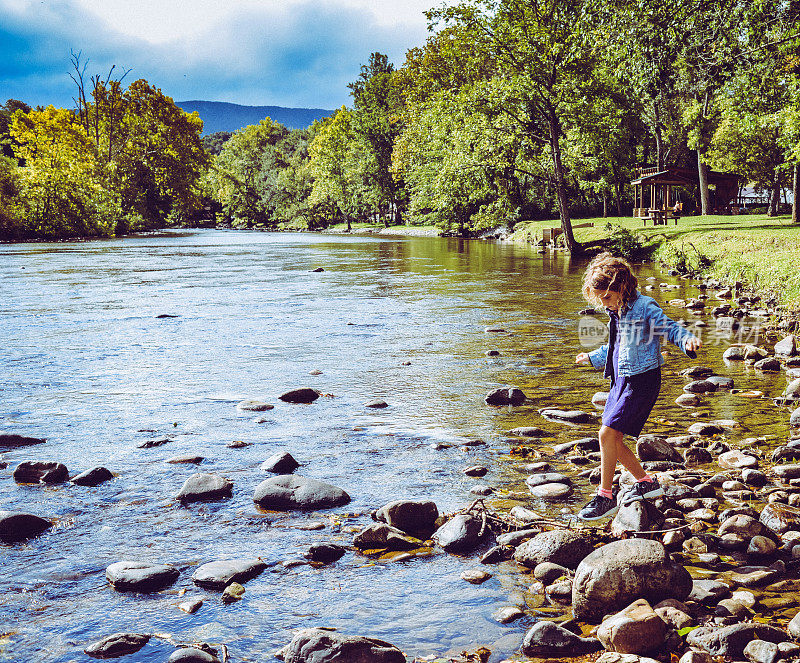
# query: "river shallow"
88 364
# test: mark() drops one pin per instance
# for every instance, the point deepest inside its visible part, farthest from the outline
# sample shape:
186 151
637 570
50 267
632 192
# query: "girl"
632 360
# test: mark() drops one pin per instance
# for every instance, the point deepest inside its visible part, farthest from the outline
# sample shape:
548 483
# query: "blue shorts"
631 400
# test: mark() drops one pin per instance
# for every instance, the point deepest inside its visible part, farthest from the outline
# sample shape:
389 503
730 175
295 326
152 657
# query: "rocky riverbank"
694 574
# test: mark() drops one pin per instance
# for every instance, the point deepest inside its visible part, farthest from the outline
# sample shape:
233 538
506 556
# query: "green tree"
546 51
6 112
63 185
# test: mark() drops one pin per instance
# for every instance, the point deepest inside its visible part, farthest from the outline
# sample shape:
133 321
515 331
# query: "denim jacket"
642 325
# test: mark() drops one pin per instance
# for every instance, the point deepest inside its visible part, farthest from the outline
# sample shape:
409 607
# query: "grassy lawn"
761 251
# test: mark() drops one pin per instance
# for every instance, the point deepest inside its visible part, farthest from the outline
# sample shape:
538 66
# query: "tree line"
511 110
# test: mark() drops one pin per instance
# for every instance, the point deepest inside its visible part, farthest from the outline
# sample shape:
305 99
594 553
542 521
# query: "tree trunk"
605 204
795 192
561 188
702 168
657 134
774 197
702 175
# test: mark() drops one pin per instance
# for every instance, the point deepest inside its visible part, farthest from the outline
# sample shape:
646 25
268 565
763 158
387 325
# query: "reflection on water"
89 364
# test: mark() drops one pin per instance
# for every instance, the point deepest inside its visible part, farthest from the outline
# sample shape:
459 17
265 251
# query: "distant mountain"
222 116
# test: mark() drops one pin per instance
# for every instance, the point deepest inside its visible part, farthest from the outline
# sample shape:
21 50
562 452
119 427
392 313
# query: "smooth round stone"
735 460
252 405
238 444
546 477
481 490
761 545
600 398
551 491
201 487
734 485
140 576
508 614
191 655
475 576
191 606
706 515
219 574
188 459
93 477
747 599
377 404
233 592
476 471
688 400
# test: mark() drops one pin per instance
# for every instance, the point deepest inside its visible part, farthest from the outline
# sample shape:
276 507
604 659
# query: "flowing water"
88 363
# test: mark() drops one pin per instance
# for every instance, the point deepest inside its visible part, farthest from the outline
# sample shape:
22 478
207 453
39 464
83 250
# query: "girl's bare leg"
613 449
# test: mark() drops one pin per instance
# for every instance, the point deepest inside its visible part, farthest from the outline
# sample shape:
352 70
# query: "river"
88 363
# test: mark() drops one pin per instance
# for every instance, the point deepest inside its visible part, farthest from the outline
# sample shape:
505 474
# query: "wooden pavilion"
655 200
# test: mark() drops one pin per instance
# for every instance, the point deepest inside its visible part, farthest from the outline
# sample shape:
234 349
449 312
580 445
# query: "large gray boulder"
316 645
204 487
730 641
220 574
18 526
618 573
415 517
127 576
636 629
786 347
117 644
547 639
563 547
461 534
289 492
780 518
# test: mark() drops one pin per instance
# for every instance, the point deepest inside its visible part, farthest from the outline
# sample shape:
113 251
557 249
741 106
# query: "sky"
293 53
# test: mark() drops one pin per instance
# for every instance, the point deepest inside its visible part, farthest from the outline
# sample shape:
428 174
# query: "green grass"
762 252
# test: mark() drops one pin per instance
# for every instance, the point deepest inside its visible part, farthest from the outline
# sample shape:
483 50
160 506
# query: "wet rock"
475 576
700 387
481 489
638 516
569 416
743 525
732 608
325 553
549 639
786 347
280 463
735 459
515 538
191 606
761 546
461 534
636 629
116 645
476 471
734 353
563 547
722 382
794 419
748 576
620 572
497 554
204 487
233 592
548 572
698 372
152 444
187 459
708 592
770 364
760 651
542 478
787 471
794 627
253 405
415 517
219 574
780 518
384 536
377 404
192 655
792 391
14 441
600 398
551 492
508 614
238 444
36 471
316 645
730 641
528 431
289 492
693 656
653 447
688 400
705 429
492 353
304 395
674 614
618 657
560 592
127 576
506 396
697 456
18 526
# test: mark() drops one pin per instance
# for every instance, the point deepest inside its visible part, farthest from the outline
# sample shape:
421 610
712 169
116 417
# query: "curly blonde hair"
608 272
